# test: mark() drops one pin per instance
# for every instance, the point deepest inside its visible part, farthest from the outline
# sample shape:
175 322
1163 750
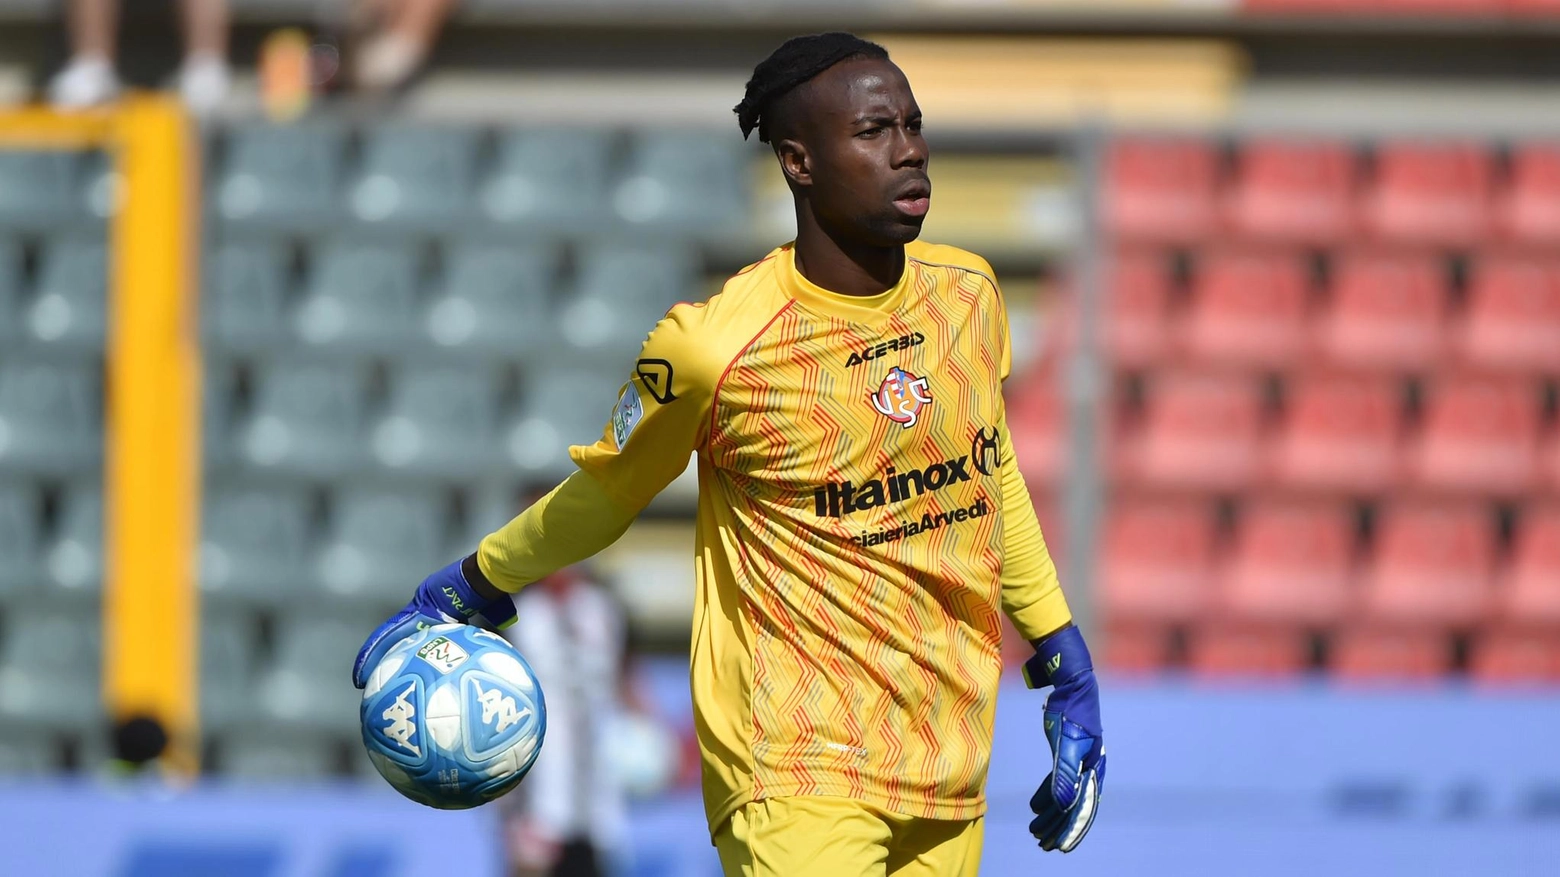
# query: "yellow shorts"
816 836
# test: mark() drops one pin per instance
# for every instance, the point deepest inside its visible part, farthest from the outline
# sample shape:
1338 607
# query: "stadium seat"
38 189
1516 655
51 415
1138 309
1387 311
69 307
74 557
10 292
307 417
378 543
1432 564
245 297
1480 435
1293 562
1340 433
49 665
1160 189
1390 654
1248 309
21 536
622 292
488 506
555 177
1222 648
493 298
1294 190
1529 206
1513 319
683 179
273 755
308 685
416 174
557 409
229 647
1157 563
281 175
1037 418
1529 591
360 296
219 382
440 420
26 752
1430 192
1136 647
255 543
1199 431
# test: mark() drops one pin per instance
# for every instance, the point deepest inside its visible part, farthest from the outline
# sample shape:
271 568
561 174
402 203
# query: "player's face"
866 154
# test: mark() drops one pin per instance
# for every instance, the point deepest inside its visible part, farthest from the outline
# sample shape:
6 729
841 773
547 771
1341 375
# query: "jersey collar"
870 309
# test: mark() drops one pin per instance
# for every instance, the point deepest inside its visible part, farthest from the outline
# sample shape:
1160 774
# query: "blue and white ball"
453 716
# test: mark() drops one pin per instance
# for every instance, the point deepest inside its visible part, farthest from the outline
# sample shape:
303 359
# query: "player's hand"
1067 801
446 597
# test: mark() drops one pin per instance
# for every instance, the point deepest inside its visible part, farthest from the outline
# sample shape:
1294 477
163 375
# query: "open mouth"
915 199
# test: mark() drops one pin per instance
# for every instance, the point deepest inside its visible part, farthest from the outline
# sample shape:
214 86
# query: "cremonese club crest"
900 397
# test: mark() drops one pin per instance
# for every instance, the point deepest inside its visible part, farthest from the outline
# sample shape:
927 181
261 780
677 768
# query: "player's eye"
870 132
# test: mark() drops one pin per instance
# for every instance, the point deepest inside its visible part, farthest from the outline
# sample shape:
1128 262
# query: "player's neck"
845 268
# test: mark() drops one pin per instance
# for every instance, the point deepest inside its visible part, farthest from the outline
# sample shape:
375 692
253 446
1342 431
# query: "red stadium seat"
1249 309
1513 317
1160 189
1530 585
1135 647
1516 655
1224 649
1433 565
1386 312
1480 435
1137 309
1294 191
1199 431
1530 205
1386 653
1037 417
1157 564
1430 192
1293 561
1340 433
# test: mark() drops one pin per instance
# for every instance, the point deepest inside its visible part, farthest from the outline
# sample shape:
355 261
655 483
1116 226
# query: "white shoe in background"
85 82
387 62
204 83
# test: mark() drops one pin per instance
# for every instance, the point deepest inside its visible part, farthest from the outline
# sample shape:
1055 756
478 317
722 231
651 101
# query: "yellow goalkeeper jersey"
861 524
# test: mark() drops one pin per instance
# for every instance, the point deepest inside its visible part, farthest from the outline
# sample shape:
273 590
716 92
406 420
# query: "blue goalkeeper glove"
1065 805
446 597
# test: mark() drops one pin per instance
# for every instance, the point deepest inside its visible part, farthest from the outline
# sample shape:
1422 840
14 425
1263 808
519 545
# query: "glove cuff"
451 594
1058 658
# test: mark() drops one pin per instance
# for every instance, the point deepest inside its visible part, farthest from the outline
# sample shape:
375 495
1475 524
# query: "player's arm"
660 419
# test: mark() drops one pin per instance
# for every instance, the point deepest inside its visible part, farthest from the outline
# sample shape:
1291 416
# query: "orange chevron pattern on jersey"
851 449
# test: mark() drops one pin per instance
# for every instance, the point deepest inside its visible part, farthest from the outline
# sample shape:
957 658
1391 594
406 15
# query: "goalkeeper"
861 517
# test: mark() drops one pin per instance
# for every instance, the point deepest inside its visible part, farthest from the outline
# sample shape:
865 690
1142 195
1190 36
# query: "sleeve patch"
626 415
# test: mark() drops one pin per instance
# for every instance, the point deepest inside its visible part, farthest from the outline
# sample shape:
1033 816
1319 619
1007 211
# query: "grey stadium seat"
361 296
38 189
685 179
254 543
415 174
10 292
493 299
441 420
21 536
218 383
621 293
380 542
74 559
559 408
271 755
307 418
49 665
281 174
51 414
70 304
229 648
244 305
25 752
556 177
309 682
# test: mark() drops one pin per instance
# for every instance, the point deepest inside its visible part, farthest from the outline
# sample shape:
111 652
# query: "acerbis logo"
984 451
867 354
900 397
839 498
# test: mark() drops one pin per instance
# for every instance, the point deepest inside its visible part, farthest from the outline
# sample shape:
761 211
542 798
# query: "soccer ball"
453 716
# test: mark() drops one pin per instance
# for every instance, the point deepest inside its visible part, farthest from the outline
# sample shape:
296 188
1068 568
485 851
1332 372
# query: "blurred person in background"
396 37
90 79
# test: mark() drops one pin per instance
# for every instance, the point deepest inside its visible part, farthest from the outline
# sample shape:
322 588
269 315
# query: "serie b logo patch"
900 397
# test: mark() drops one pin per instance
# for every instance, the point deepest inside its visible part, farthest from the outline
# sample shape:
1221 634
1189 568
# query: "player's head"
847 132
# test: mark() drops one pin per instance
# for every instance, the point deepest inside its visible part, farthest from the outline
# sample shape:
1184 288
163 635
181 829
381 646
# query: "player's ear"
794 162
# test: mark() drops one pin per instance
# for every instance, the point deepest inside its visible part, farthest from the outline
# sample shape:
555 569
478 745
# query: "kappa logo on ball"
900 397
402 729
443 655
497 705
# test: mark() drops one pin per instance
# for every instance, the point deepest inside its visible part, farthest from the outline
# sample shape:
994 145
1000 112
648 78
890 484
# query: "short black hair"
797 60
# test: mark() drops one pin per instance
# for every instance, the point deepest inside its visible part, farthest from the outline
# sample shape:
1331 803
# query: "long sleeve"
575 520
1031 593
